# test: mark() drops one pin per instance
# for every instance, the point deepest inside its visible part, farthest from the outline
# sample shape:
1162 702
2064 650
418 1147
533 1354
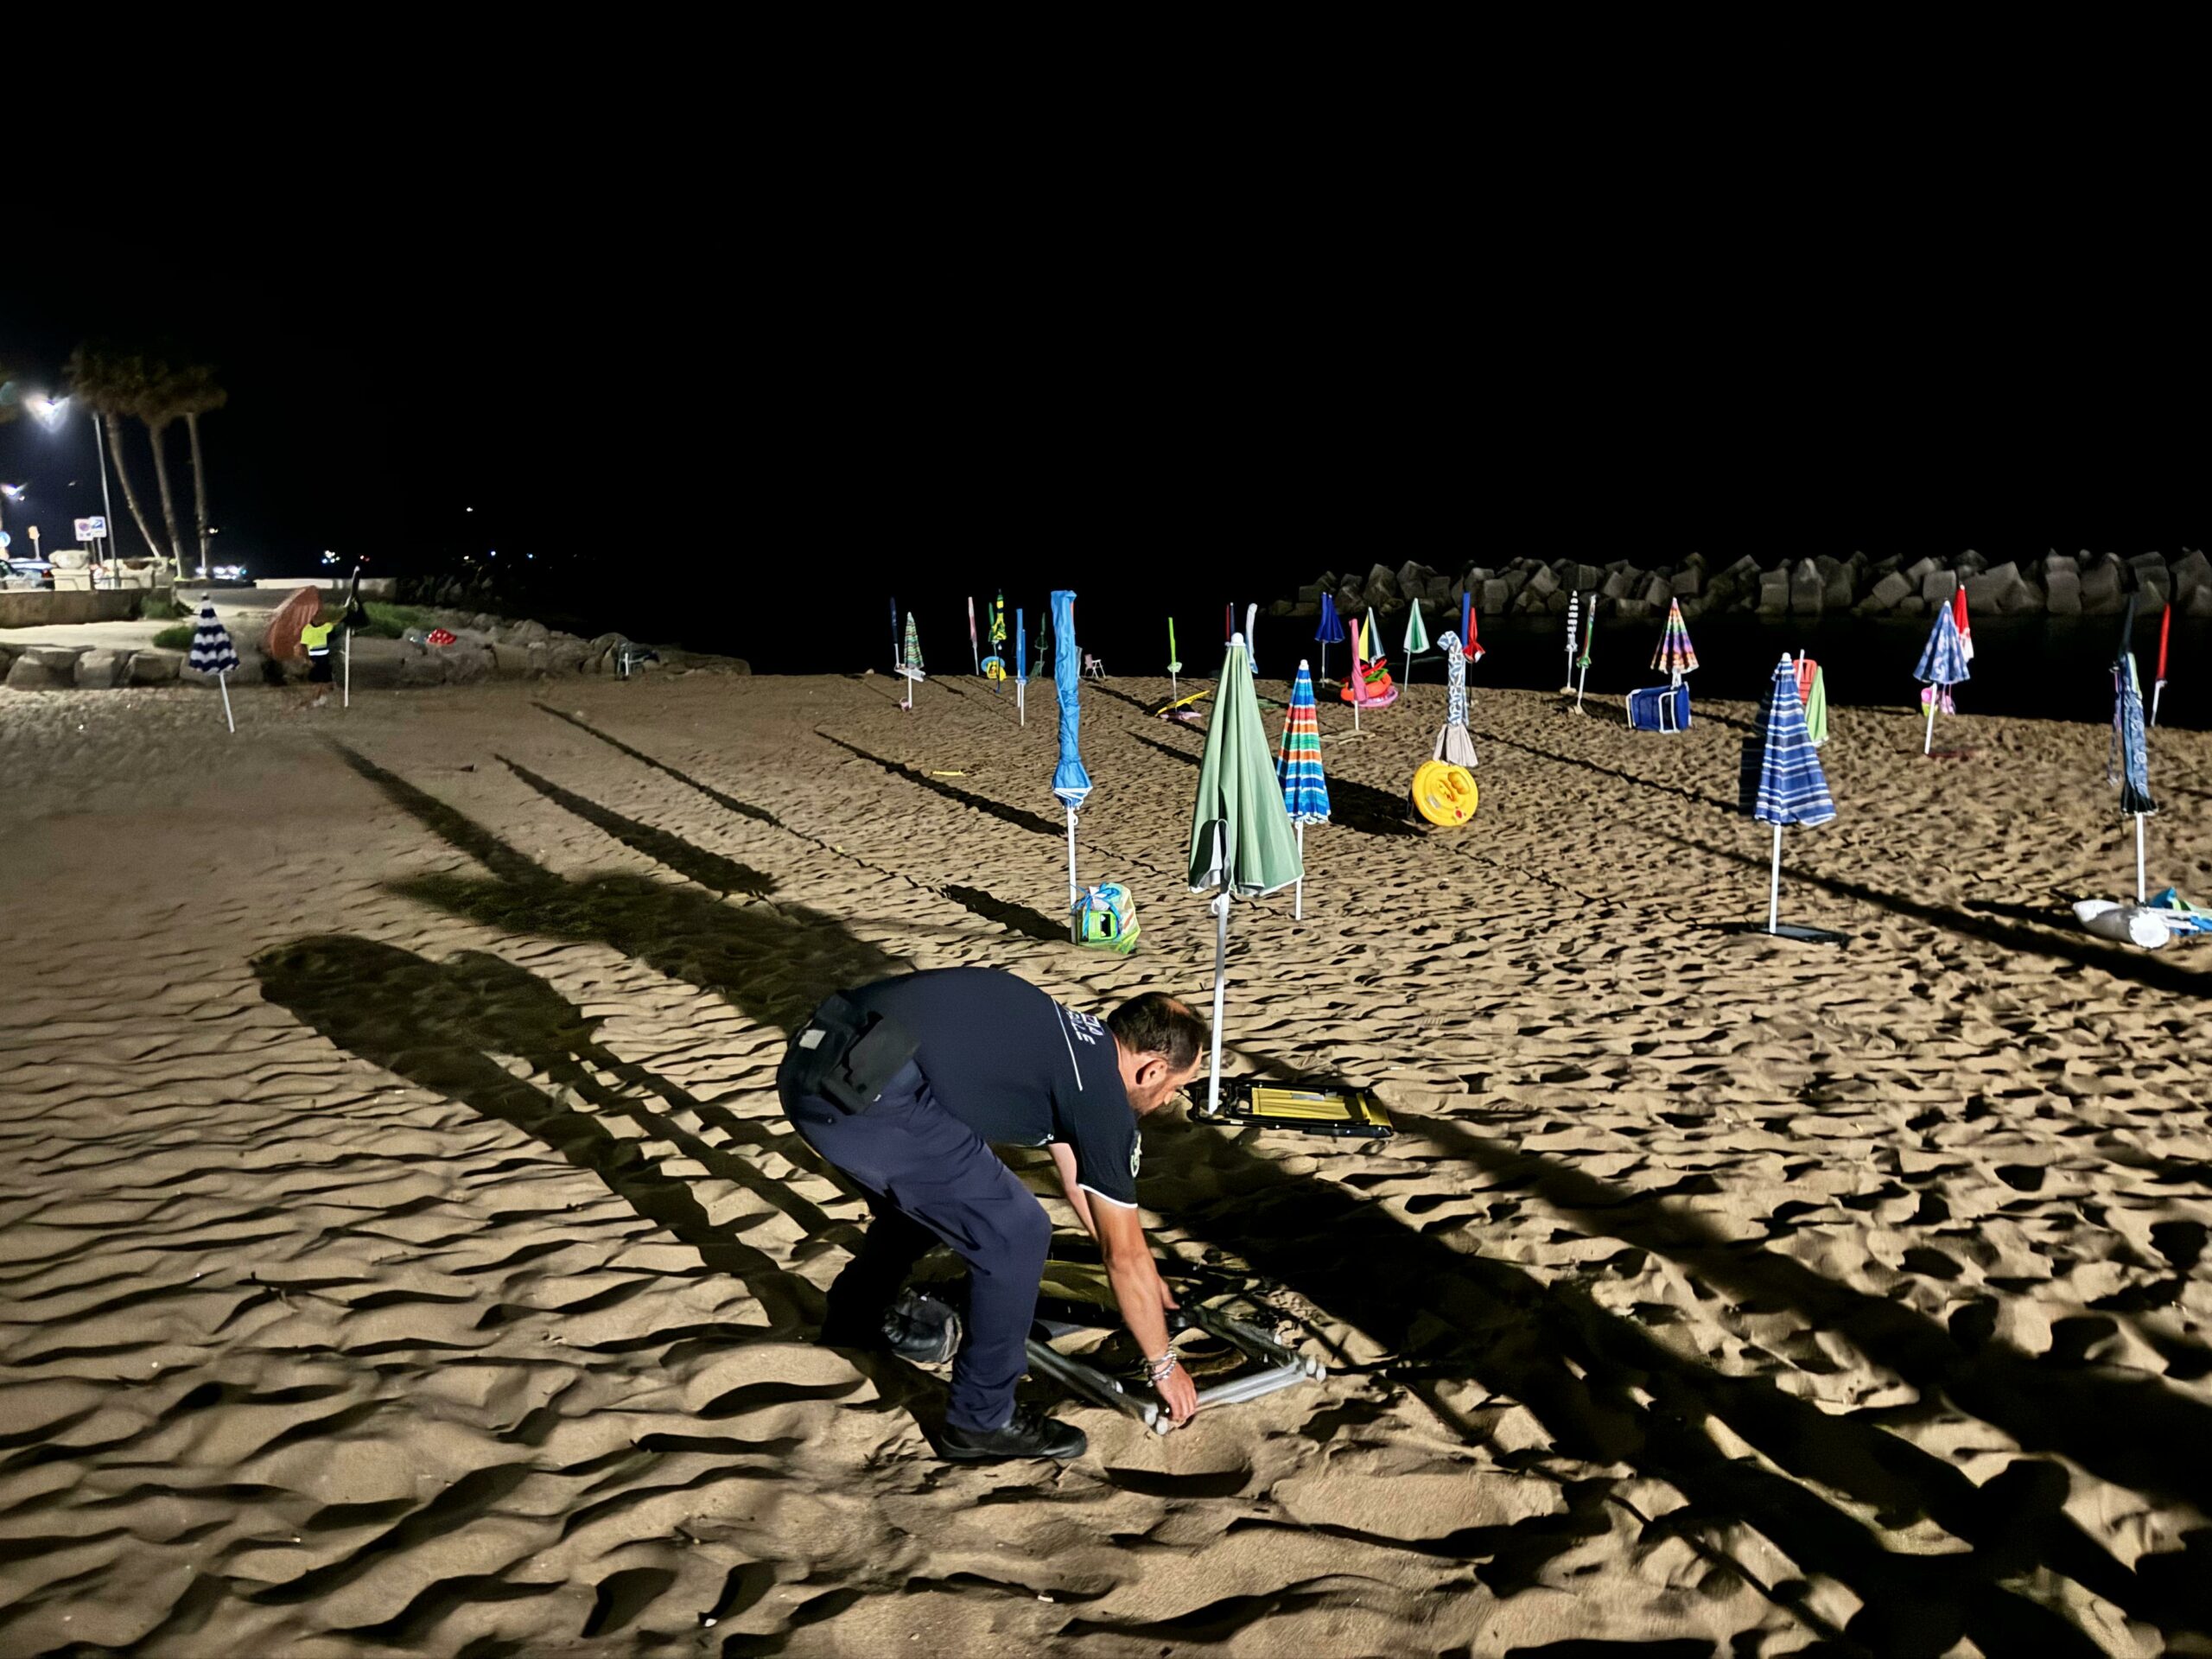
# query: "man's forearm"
1136 1291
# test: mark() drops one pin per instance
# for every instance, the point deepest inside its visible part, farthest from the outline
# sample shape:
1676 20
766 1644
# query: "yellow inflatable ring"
1444 793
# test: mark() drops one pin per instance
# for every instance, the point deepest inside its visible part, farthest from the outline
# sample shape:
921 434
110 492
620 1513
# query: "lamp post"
49 411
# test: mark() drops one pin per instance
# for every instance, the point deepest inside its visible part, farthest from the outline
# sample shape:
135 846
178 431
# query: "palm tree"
108 384
196 394
158 399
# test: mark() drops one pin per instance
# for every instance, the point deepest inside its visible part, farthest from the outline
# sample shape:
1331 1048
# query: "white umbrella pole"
1927 743
1021 699
345 696
1174 691
1297 900
1220 969
223 683
1582 683
1075 929
2139 889
1355 709
2158 690
1774 885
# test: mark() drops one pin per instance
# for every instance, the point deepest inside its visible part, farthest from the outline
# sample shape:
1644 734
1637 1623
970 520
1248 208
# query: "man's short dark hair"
1157 1023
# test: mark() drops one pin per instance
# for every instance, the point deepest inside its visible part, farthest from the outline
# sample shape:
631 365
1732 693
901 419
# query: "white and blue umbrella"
2135 761
1021 664
1792 790
213 653
1942 665
1070 781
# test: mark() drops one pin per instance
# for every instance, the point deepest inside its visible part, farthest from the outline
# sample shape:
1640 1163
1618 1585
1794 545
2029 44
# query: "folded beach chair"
1660 709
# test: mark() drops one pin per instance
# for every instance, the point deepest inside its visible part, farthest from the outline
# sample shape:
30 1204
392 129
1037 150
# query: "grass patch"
153 608
176 638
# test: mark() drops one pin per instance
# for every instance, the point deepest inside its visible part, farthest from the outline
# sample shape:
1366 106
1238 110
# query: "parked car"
19 575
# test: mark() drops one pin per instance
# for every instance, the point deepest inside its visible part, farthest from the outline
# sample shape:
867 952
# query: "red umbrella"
282 641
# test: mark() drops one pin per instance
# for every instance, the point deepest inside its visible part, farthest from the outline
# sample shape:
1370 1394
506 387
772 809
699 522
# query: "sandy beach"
401 1249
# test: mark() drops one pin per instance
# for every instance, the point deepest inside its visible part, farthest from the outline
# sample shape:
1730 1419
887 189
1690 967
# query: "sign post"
91 532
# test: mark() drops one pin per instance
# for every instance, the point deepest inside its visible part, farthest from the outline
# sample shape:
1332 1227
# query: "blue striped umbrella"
1021 664
213 653
2134 760
1942 665
1070 781
1791 788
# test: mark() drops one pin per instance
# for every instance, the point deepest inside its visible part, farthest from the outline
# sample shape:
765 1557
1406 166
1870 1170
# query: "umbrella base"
1791 931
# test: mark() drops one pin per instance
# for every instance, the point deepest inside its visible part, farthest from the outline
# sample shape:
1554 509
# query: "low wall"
371 587
40 606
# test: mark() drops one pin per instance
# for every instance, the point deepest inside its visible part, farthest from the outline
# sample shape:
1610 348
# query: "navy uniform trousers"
932 1178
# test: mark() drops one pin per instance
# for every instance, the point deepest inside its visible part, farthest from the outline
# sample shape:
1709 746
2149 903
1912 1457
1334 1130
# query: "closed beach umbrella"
913 668
1589 638
1021 664
895 634
1959 615
1454 744
975 650
213 653
1574 622
1792 790
1416 639
2135 761
1297 767
1070 781
1332 630
1675 655
1942 665
2159 683
1242 843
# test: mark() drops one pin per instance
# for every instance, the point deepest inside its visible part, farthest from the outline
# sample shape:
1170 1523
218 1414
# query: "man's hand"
1179 1394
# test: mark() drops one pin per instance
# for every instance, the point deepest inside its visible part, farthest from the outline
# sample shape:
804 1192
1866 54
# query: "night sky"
751 450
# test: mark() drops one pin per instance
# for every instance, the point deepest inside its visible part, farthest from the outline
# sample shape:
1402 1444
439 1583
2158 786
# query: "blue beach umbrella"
1021 664
1298 765
2135 761
1332 630
1070 781
1942 665
1792 790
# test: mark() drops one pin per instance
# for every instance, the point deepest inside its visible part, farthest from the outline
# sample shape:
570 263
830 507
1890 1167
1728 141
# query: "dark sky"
784 422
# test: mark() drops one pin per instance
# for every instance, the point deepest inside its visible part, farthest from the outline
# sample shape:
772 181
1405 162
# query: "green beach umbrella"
1242 842
1416 639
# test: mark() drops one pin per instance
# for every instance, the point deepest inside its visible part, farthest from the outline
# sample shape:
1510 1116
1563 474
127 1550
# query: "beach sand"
401 1249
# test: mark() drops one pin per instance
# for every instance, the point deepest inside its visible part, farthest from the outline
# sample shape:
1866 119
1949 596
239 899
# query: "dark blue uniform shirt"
1019 1069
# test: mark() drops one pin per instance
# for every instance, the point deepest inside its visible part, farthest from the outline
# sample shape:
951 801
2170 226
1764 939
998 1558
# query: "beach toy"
995 667
441 636
1106 916
1445 794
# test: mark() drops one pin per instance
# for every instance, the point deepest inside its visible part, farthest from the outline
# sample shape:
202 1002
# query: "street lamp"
48 412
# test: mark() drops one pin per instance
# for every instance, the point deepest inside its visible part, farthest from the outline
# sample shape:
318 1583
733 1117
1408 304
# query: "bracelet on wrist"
1162 1367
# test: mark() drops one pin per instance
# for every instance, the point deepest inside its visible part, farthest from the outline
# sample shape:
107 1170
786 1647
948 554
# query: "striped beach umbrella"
1675 655
1070 781
2135 761
1792 790
912 667
1242 842
1298 767
1574 624
213 653
1582 665
1942 665
1453 742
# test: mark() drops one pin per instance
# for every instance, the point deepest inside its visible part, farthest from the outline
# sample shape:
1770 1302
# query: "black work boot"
1030 1433
917 1328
